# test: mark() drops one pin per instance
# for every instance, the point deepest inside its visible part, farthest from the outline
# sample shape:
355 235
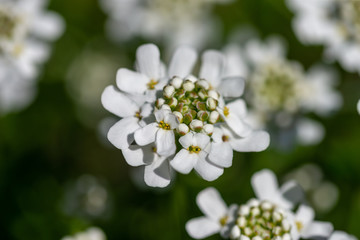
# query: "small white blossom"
93 233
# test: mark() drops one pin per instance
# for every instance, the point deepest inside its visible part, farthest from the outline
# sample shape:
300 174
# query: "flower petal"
211 204
186 140
148 61
221 154
172 120
305 215
212 66
165 142
118 103
184 161
257 141
146 135
238 107
265 184
131 82
318 229
207 170
121 133
137 156
157 174
201 140
48 26
182 62
201 227
231 87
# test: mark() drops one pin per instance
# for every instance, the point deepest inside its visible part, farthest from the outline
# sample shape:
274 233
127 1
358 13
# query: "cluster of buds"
193 102
258 220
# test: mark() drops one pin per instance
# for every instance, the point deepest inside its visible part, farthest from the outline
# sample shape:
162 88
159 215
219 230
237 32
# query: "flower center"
7 24
299 225
225 138
193 103
164 125
275 86
223 220
151 85
138 115
194 149
262 219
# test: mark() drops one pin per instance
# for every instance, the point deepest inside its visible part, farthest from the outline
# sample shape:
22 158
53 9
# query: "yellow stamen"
154 149
225 138
226 111
138 115
299 225
152 83
223 220
164 125
194 149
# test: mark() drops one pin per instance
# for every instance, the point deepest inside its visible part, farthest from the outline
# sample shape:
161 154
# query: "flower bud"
200 106
213 94
243 237
176 82
183 129
277 216
266 205
173 102
244 210
202 94
208 129
159 102
254 202
235 233
211 103
168 91
165 107
248 231
257 238
255 211
202 83
187 118
180 93
241 222
286 236
196 125
188 86
203 115
286 225
214 117
178 115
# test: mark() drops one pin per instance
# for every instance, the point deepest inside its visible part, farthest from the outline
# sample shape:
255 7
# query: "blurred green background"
46 148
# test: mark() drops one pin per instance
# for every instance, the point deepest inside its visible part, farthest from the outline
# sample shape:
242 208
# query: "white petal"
211 204
121 134
184 161
48 26
238 107
255 142
265 184
165 142
157 174
146 135
172 120
207 170
221 154
237 125
217 135
131 82
201 140
118 103
182 62
212 66
160 114
305 215
201 227
340 235
309 132
231 87
137 156
148 60
186 140
318 229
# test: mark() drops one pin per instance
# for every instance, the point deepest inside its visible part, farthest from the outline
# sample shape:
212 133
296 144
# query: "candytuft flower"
180 115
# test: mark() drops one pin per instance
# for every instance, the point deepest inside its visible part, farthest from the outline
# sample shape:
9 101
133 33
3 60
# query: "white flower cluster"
176 22
25 29
280 91
93 233
172 119
333 23
269 216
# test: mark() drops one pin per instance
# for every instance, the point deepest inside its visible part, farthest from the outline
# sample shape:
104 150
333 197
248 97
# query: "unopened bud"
187 118
211 103
208 129
196 125
266 205
257 238
277 216
248 231
213 94
244 210
160 102
183 129
176 82
241 222
203 115
165 107
253 202
200 106
214 117
168 91
235 233
202 94
286 225
188 86
180 93
173 102
286 236
202 83
255 211
178 115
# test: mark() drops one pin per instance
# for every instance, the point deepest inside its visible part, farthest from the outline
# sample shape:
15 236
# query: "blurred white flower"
93 233
281 92
26 29
218 217
176 114
333 23
358 106
340 235
269 216
175 22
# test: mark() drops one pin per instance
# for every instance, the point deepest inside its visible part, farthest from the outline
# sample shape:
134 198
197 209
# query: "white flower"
181 118
340 235
93 233
162 20
218 217
161 132
306 227
121 135
25 29
280 91
316 22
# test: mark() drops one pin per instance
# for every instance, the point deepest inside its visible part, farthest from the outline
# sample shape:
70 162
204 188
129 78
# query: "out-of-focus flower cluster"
172 119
